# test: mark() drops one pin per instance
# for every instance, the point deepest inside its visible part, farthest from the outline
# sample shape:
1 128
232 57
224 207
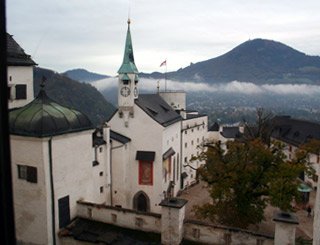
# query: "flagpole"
165 78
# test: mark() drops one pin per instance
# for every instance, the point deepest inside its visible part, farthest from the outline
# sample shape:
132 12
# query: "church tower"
128 81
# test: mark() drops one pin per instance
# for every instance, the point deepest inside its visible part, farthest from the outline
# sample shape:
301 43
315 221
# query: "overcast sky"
67 34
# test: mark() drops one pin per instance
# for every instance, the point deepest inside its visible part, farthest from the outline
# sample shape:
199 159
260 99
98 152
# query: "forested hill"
80 96
258 61
83 75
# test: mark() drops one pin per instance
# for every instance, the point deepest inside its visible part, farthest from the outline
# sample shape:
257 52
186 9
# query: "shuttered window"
28 173
21 91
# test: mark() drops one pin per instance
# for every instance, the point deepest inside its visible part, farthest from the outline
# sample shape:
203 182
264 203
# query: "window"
185 159
100 149
101 173
95 163
9 92
191 142
10 78
145 173
192 130
185 132
101 189
197 140
114 218
185 145
21 91
27 173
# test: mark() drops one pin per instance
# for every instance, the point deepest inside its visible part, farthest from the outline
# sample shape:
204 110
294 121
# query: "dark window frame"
21 91
28 173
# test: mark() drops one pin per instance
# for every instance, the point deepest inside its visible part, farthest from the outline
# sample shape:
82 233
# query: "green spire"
128 65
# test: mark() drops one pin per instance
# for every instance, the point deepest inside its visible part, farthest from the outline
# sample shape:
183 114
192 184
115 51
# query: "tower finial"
129 21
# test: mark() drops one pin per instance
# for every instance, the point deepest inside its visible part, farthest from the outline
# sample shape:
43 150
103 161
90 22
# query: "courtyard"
198 194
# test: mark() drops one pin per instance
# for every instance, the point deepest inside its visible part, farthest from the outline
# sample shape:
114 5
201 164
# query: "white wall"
176 99
145 135
32 212
73 172
172 139
20 75
194 133
73 176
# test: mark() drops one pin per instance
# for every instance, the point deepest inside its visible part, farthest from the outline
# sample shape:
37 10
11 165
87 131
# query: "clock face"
135 92
125 91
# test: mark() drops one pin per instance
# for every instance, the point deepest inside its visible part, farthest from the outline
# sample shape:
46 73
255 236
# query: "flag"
164 63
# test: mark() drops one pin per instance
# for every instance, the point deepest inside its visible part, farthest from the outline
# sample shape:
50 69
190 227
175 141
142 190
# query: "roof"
173 202
158 109
44 117
294 131
230 132
214 127
16 55
168 153
119 137
128 65
148 156
191 116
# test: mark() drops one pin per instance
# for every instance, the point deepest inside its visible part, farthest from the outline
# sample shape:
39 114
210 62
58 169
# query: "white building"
20 74
57 160
146 165
223 134
194 132
293 133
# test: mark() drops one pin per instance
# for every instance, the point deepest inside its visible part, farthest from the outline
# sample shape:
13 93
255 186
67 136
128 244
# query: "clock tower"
128 81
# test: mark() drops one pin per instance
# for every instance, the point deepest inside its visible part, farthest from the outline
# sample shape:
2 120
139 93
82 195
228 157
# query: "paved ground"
198 194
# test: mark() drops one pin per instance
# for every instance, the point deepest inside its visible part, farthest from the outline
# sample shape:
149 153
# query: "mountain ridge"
74 94
258 61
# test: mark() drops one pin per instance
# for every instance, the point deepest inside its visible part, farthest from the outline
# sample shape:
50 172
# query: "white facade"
20 76
176 99
194 133
64 168
314 160
146 135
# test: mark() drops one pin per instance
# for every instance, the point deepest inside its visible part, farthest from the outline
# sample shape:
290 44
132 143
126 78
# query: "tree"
243 180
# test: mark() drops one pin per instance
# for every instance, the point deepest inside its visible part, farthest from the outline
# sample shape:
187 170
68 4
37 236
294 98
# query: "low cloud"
150 85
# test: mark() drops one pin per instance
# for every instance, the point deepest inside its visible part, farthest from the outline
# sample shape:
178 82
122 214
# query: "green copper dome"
128 65
44 117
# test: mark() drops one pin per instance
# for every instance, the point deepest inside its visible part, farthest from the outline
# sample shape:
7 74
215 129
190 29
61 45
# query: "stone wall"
195 231
202 232
127 218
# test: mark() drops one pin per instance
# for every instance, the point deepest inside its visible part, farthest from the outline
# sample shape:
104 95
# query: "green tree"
245 178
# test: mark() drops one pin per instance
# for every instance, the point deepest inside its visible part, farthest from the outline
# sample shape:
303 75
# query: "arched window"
141 202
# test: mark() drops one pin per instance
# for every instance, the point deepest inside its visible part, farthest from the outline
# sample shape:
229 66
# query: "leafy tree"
244 179
251 174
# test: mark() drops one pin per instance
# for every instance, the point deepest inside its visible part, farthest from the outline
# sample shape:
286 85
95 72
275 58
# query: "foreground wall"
212 234
195 231
127 218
